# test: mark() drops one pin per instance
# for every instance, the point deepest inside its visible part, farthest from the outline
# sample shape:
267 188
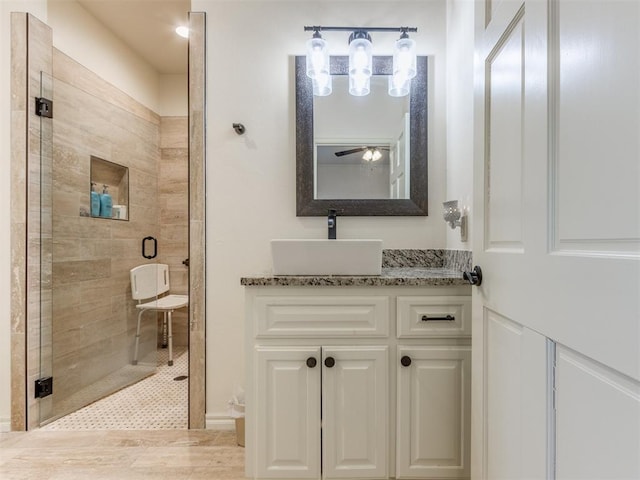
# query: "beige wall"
173 190
78 34
174 96
251 178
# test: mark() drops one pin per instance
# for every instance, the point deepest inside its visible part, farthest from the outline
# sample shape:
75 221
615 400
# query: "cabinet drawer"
434 316
327 316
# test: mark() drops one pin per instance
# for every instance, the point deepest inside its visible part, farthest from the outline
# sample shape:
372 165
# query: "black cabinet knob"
311 362
329 362
405 361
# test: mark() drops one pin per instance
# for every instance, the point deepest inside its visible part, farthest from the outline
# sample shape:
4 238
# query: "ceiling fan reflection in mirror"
371 154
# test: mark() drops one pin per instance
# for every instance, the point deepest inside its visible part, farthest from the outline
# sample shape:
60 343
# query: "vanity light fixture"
361 60
318 64
360 63
455 217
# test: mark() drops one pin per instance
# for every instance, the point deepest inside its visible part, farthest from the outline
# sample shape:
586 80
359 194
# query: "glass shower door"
90 239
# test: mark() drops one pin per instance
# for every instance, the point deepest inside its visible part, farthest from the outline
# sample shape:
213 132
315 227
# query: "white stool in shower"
149 282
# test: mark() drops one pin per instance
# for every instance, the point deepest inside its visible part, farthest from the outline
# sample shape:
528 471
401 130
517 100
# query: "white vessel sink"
326 257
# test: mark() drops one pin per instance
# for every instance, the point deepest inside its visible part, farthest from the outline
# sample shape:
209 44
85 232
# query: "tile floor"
136 433
156 402
121 455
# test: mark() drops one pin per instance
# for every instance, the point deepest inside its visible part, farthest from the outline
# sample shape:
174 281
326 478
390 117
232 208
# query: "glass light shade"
376 155
322 85
317 57
404 58
399 86
360 57
368 155
359 85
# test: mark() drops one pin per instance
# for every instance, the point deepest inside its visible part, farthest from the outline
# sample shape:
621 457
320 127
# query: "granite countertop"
415 268
407 276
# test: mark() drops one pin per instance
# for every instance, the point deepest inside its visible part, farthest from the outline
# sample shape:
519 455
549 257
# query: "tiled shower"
88 316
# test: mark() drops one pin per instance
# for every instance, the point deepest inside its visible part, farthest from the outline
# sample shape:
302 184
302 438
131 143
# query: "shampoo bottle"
105 203
95 201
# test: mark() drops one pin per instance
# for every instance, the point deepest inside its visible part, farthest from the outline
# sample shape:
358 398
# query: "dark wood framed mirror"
306 202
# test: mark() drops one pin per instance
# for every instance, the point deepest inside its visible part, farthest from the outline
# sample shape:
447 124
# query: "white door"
399 159
287 428
556 327
355 412
432 412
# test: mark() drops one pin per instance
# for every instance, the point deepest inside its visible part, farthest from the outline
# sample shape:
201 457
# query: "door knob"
329 362
311 362
405 361
474 277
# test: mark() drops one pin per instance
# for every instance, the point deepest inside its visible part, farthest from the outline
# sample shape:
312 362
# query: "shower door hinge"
44 107
44 387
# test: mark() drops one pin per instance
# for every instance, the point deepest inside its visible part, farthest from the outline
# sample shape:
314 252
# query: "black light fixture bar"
319 28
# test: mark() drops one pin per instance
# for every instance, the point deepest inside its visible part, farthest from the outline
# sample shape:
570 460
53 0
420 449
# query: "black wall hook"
239 128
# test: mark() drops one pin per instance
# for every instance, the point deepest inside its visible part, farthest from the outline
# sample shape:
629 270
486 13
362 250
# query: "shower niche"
111 179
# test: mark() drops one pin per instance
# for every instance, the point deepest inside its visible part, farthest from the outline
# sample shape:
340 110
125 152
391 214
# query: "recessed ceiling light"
182 31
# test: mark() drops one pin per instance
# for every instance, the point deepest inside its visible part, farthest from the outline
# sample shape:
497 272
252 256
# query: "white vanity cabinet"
328 396
433 388
433 411
334 397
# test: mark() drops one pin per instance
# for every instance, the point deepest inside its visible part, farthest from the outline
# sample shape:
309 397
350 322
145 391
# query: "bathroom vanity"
358 377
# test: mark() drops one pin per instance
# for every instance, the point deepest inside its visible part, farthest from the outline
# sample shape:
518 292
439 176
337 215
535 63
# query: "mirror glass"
361 155
359 143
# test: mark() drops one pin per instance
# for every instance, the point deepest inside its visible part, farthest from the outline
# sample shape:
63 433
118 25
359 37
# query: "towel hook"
239 128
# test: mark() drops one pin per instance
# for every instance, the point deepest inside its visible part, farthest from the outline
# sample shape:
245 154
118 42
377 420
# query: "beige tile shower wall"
173 181
94 314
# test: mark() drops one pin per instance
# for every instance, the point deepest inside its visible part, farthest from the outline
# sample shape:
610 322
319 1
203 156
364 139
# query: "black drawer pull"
329 362
311 362
448 318
405 361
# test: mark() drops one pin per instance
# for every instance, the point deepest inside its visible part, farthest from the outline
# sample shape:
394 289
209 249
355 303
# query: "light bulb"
368 155
183 31
359 85
360 63
317 57
322 85
399 85
376 155
404 58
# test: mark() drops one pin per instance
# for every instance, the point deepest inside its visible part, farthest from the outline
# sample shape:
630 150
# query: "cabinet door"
355 412
287 421
433 412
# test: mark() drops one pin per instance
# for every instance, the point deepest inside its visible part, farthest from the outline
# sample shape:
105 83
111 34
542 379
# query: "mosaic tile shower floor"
157 402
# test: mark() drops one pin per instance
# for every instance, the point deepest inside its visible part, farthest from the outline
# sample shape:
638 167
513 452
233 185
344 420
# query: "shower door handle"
144 247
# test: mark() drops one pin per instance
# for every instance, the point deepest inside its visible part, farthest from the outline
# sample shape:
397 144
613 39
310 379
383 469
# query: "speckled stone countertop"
416 268
390 277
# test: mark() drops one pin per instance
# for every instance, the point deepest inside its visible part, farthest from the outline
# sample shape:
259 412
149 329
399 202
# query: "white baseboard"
5 424
219 422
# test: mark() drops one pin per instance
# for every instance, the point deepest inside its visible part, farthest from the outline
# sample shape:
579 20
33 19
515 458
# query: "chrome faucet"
332 222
